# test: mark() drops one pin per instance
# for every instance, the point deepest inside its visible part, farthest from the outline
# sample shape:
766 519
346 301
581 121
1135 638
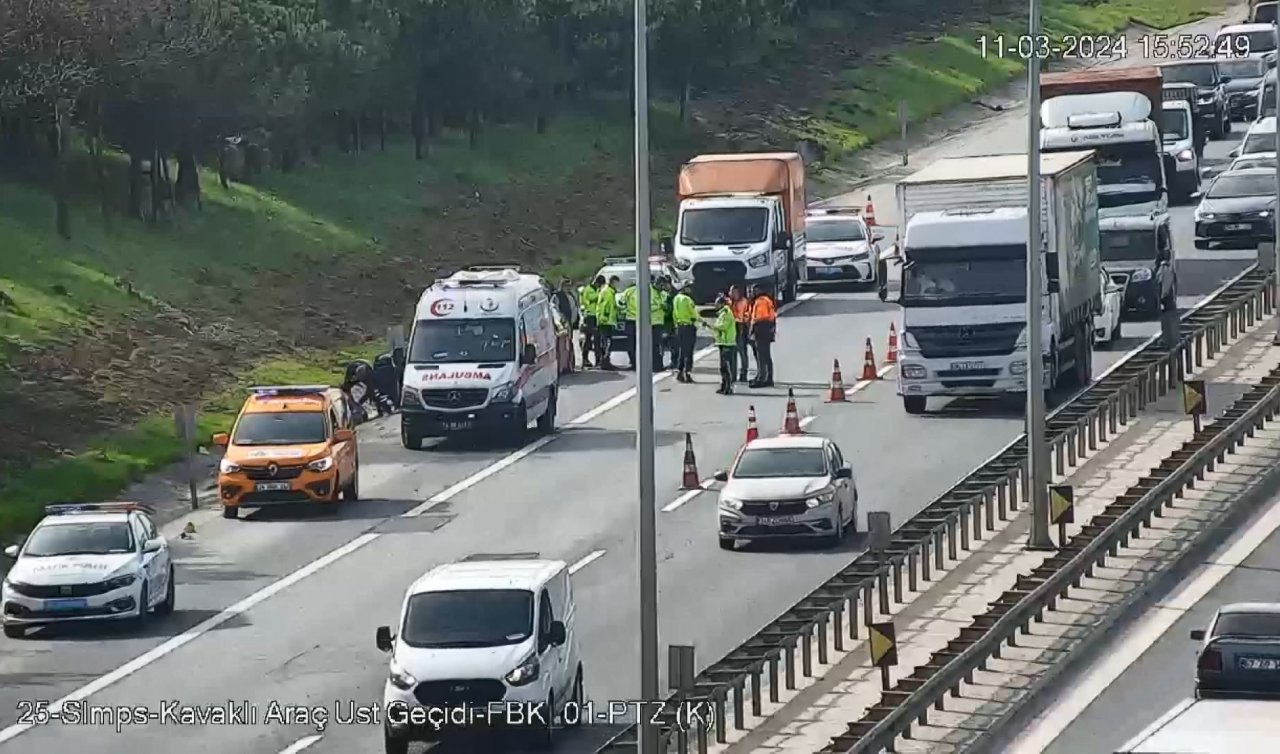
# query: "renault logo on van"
773 506
273 469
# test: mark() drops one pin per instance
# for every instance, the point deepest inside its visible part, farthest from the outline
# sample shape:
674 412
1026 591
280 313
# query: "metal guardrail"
927 688
952 521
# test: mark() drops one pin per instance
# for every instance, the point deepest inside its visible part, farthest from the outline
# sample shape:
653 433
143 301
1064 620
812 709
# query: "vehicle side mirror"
11 552
529 355
1197 634
344 435
383 638
556 634
666 246
1196 195
1234 153
222 439
782 240
877 236
153 545
721 476
844 472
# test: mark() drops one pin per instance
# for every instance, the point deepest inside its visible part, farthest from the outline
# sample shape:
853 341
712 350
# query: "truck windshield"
718 226
965 276
457 341
1175 125
1200 74
1135 162
1127 245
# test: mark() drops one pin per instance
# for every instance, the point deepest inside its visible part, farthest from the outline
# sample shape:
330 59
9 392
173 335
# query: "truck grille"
471 691
959 341
712 278
455 398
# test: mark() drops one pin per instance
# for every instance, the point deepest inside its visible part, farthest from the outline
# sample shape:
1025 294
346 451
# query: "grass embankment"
356 209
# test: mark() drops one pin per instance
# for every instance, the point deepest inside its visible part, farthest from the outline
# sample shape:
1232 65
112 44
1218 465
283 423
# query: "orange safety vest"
742 311
762 310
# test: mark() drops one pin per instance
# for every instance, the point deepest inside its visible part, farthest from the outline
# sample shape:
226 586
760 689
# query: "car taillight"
1210 660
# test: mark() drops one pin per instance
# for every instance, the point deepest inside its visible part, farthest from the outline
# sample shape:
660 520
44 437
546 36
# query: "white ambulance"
481 357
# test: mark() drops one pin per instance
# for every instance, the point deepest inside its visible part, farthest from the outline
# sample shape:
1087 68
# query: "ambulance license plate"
457 426
1239 226
271 486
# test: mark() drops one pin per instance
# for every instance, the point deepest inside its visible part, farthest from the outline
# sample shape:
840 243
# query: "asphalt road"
308 640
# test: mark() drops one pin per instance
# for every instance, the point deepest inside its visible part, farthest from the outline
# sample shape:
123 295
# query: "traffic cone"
892 356
837 385
869 214
791 423
753 431
869 371
690 479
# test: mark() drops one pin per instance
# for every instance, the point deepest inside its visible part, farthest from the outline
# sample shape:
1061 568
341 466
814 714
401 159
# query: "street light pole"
1037 447
1275 221
648 540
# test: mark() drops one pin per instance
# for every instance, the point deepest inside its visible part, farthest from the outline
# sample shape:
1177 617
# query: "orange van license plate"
272 486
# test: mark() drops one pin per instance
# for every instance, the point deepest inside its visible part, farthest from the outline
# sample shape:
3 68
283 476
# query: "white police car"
89 561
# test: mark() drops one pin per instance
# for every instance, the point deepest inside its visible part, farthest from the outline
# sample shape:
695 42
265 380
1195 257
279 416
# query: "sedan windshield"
763 463
1236 186
723 225
1259 141
103 538
468 618
835 230
459 341
1248 624
281 428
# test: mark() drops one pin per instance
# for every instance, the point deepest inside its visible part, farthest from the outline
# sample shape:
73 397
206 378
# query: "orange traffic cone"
837 385
753 431
869 371
791 423
690 480
869 214
892 357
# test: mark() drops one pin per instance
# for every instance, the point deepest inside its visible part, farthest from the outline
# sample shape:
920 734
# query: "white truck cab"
493 634
1118 127
481 357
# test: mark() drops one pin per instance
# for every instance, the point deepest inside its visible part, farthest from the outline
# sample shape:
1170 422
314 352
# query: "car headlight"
1141 275
119 582
1186 155
758 261
825 496
227 467
731 503
321 464
503 393
1264 214
526 672
410 397
400 678
682 263
909 340
913 372
1205 216
1018 367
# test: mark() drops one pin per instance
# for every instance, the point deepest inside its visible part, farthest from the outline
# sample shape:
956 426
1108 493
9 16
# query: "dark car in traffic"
1211 96
1242 90
1240 654
1238 209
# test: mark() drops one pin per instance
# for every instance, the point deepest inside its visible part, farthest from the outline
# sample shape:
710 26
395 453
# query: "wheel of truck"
914 404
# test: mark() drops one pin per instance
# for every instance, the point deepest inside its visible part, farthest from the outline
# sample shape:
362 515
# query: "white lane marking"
586 561
243 606
301 744
1141 636
195 632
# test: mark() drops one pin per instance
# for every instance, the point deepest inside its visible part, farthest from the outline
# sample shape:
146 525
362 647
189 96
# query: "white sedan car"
1106 324
97 561
787 486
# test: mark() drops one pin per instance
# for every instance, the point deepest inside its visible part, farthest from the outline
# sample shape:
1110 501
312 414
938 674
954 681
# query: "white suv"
487 639
93 561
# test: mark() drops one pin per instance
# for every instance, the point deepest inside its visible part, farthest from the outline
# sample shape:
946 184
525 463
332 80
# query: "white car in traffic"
840 248
787 486
96 561
1106 323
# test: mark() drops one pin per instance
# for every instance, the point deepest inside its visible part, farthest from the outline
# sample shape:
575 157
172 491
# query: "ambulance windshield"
460 341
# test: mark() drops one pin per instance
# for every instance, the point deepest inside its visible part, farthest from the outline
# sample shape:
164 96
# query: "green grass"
931 77
353 205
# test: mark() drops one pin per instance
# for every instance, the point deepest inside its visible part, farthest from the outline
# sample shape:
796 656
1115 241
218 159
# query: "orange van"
290 444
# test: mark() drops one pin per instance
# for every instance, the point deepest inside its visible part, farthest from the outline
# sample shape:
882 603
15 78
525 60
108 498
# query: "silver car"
787 486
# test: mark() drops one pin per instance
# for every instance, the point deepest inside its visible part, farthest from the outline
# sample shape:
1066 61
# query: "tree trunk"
137 186
418 127
357 133
223 146
382 130
685 92
473 127
188 186
61 156
96 140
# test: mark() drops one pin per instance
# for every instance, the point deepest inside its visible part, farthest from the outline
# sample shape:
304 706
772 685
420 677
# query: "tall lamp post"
648 544
1037 445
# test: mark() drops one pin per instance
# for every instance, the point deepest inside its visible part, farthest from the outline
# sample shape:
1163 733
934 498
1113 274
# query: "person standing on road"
631 313
741 315
658 322
685 315
764 329
606 321
588 297
726 334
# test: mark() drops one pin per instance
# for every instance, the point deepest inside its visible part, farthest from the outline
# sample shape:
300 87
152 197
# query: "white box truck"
963 275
